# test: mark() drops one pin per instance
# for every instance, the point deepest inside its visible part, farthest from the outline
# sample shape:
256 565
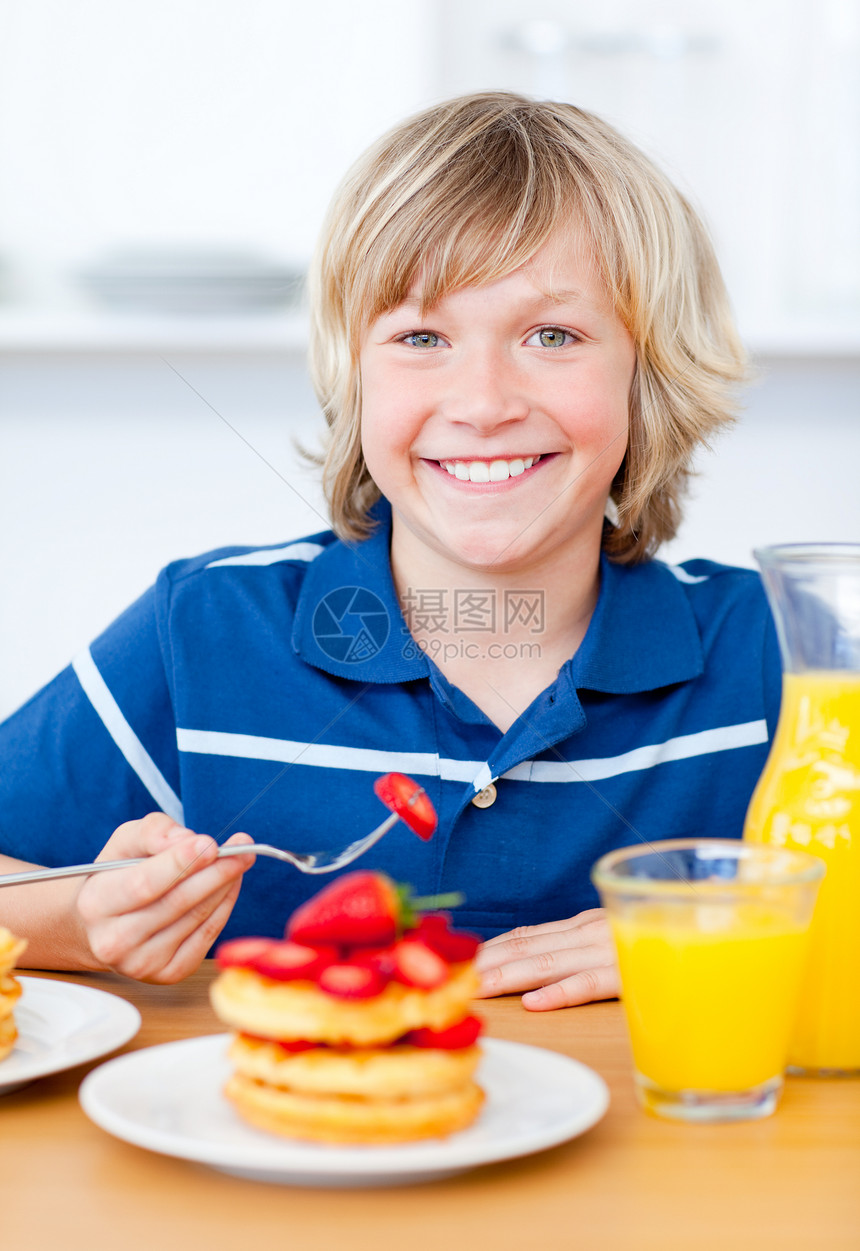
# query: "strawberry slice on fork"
409 801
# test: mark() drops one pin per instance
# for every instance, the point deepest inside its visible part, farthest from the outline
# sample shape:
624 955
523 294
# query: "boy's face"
496 422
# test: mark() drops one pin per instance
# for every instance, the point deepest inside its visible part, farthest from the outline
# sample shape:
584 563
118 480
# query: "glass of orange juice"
711 938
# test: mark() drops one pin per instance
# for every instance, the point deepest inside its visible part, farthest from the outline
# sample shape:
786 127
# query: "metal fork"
305 862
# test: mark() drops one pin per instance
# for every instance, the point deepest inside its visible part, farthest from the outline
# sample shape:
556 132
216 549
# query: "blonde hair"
467 192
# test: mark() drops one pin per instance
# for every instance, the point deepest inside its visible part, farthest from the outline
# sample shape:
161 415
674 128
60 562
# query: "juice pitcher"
808 796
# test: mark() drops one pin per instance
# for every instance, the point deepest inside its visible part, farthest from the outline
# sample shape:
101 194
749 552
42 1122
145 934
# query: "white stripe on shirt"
123 735
684 747
325 755
371 760
683 576
271 555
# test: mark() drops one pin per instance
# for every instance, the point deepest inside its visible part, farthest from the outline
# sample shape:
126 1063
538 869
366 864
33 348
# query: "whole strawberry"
361 909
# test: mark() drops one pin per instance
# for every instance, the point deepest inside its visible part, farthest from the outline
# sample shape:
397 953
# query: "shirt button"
486 797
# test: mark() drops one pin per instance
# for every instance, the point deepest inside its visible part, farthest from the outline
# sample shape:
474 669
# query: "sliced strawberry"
409 800
294 1046
360 909
351 981
433 923
454 946
379 958
290 1045
463 1034
416 965
284 961
242 953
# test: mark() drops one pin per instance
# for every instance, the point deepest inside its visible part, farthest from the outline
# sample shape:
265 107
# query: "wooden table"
631 1182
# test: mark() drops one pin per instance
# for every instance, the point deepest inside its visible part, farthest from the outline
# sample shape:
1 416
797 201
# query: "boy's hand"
557 964
156 921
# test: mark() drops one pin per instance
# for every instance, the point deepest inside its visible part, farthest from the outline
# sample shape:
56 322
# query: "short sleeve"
94 748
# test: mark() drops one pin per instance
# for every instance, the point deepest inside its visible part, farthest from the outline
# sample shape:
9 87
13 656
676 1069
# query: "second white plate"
168 1099
61 1024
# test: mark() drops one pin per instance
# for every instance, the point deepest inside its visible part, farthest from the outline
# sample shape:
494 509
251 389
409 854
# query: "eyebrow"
564 295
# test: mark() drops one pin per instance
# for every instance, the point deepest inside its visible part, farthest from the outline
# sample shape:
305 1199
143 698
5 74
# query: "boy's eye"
422 339
550 337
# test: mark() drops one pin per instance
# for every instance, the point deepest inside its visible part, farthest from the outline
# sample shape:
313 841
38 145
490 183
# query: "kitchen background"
163 172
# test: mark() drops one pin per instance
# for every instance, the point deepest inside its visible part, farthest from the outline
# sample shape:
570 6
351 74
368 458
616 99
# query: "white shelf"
28 331
794 339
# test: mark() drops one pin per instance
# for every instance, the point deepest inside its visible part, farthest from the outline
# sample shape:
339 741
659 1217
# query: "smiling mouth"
488 470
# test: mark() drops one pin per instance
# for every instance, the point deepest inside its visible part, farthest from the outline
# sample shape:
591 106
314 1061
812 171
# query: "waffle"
10 991
314 1058
353 1121
259 1005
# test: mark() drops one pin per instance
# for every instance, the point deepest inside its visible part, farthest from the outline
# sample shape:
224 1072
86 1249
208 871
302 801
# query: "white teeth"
492 471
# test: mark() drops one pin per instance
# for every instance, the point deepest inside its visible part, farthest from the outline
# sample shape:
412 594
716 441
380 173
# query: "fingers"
584 987
541 968
530 943
127 891
183 952
523 932
558 964
144 837
174 867
175 951
155 921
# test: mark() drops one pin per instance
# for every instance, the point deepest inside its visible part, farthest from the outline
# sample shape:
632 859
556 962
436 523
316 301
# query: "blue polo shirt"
265 689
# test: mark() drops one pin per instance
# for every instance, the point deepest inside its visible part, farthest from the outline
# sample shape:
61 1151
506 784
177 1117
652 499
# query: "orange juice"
808 798
710 992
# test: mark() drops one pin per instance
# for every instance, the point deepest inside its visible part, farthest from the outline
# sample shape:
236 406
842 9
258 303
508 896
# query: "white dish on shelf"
191 281
168 1099
61 1024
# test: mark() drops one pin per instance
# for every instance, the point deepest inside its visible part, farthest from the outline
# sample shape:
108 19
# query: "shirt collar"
348 620
643 634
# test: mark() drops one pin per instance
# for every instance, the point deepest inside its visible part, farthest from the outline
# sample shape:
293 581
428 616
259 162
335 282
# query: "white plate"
61 1024
168 1099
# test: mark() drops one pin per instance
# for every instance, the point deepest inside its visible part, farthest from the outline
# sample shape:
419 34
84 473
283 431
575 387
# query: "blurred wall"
202 122
220 122
753 108
126 441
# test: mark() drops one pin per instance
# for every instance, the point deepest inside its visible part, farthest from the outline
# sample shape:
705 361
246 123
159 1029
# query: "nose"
485 390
